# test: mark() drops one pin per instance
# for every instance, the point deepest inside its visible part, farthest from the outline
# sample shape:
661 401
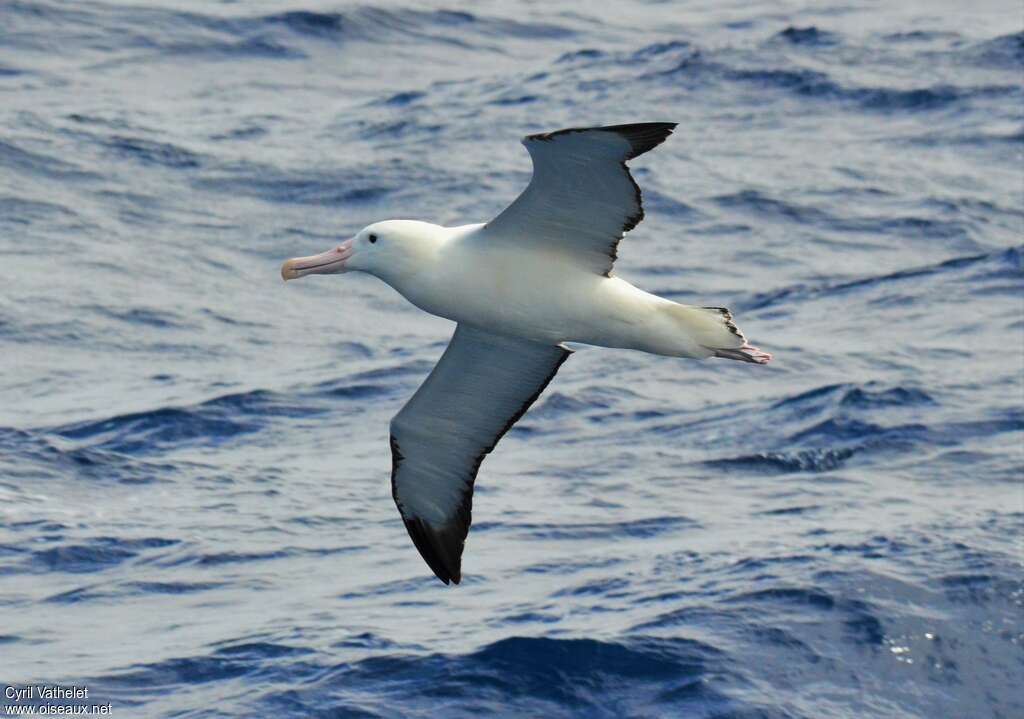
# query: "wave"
868 395
588 53
152 152
402 99
111 446
158 429
1005 51
811 36
142 316
766 206
861 620
991 265
19 211
533 676
809 460
979 588
307 22
18 159
917 36
121 590
372 24
718 68
306 187
980 139
823 429
556 404
160 33
841 429
639 528
101 553
35 455
93 555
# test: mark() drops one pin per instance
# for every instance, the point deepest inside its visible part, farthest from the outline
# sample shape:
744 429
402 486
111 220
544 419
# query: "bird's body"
541 294
519 287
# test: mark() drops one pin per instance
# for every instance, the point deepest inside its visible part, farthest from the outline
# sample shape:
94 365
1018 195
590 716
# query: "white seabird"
520 286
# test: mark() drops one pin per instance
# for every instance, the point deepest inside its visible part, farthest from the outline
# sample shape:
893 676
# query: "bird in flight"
519 287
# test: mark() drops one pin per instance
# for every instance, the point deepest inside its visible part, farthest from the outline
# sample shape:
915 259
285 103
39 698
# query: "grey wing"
581 197
481 386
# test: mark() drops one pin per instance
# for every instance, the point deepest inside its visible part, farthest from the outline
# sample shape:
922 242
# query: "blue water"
195 509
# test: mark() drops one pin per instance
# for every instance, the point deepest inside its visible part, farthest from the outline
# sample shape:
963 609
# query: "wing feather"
581 198
481 386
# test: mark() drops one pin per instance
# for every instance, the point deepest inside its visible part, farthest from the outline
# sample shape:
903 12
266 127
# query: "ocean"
195 506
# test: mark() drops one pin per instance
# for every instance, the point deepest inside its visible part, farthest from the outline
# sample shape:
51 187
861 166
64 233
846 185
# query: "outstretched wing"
581 197
481 386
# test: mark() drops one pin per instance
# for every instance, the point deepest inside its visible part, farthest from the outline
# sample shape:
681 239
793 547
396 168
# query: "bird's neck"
426 272
419 258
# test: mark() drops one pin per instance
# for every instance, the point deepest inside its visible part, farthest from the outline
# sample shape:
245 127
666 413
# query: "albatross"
519 287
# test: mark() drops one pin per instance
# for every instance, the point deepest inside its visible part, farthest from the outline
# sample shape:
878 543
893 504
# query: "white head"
390 250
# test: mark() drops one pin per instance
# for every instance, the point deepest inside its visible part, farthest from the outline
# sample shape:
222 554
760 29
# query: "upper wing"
481 386
581 196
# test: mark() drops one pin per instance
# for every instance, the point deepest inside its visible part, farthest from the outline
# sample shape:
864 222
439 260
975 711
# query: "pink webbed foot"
746 353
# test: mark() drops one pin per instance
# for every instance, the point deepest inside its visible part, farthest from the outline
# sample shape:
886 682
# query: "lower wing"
481 386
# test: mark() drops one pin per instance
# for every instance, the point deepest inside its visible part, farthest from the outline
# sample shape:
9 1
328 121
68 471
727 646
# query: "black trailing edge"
642 137
727 319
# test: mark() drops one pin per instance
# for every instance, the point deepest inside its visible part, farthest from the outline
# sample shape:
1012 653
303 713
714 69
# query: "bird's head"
387 249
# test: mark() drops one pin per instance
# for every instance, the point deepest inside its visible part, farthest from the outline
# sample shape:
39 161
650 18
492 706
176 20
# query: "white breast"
532 293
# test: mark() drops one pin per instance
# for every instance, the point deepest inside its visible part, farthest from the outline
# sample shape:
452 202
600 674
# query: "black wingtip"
440 547
642 136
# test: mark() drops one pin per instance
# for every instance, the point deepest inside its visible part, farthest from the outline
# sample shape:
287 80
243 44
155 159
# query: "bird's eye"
372 238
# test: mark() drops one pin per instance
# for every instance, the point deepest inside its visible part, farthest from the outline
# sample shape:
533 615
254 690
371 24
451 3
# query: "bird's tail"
714 330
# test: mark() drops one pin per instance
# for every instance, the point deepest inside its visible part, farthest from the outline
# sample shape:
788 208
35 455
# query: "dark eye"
372 238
